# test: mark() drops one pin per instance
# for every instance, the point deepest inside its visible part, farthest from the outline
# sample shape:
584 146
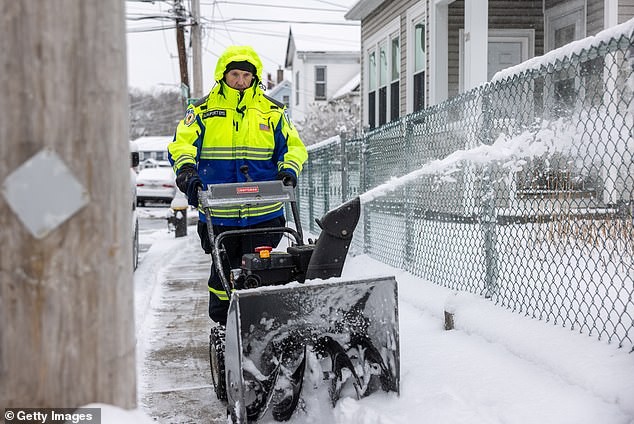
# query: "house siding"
340 68
517 14
626 10
594 17
455 23
552 3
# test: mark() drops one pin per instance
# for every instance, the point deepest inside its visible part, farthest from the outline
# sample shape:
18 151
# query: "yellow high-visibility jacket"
229 129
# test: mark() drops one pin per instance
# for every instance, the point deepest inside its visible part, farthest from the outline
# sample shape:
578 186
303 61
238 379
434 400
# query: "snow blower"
286 345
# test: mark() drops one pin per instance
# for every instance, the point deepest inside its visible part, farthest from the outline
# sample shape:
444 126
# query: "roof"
362 9
153 144
273 91
340 38
348 87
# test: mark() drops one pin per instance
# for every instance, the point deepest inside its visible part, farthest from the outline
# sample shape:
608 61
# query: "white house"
152 150
282 93
322 59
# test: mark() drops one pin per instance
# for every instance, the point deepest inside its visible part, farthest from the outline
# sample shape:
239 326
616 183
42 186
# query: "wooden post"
182 51
66 299
197 59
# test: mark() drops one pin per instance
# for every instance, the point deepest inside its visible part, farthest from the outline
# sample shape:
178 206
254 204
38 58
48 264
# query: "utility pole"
197 68
66 288
182 52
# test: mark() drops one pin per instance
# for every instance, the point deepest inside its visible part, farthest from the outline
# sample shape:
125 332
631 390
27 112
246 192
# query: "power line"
278 6
144 17
282 21
224 24
259 54
147 29
332 4
330 40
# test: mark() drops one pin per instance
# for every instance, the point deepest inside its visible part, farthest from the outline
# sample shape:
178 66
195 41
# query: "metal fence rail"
519 190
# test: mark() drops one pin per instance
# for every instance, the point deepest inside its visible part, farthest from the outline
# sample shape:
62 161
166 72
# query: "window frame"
394 80
296 88
415 15
323 82
371 91
562 15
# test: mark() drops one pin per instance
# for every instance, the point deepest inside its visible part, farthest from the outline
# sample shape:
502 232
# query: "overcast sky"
151 43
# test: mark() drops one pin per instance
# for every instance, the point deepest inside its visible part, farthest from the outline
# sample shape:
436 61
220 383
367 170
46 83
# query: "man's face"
238 79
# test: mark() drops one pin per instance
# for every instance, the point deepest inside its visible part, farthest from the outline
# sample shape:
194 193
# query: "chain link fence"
519 190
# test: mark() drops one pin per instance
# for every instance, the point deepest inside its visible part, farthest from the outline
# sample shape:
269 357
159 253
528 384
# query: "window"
564 24
382 84
419 66
286 99
372 90
557 94
394 83
415 58
320 83
382 69
564 84
297 88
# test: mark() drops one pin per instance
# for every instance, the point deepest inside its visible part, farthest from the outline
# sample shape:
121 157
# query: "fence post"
311 196
487 216
363 186
407 203
344 170
325 182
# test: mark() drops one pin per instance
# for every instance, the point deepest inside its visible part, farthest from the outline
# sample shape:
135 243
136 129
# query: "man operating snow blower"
235 126
237 157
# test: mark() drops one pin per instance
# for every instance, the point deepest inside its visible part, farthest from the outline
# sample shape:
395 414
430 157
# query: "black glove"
287 178
189 182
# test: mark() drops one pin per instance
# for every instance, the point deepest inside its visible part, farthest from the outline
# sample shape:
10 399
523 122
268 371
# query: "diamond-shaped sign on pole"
43 193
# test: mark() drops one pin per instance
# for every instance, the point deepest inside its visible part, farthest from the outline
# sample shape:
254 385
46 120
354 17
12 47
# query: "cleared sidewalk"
174 377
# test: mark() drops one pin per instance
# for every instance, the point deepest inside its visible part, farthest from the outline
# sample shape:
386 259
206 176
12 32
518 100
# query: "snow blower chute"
286 346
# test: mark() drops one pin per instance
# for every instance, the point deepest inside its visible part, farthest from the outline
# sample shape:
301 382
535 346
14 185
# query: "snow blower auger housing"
289 347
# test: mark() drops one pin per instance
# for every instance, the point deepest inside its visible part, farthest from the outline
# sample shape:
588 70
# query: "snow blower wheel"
217 361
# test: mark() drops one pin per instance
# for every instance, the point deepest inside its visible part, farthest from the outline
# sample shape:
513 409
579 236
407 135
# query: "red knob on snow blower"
264 251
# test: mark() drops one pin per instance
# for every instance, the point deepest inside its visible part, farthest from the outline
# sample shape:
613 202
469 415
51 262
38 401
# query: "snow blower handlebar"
251 193
248 193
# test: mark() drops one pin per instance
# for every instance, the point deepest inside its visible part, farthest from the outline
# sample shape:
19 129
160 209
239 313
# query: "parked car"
155 185
134 162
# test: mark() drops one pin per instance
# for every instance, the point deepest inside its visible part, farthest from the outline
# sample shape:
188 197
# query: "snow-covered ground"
494 367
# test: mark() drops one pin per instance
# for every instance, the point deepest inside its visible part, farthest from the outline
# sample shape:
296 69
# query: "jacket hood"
237 54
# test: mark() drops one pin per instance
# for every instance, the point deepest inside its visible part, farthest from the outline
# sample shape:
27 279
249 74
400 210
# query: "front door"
503 55
506 47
